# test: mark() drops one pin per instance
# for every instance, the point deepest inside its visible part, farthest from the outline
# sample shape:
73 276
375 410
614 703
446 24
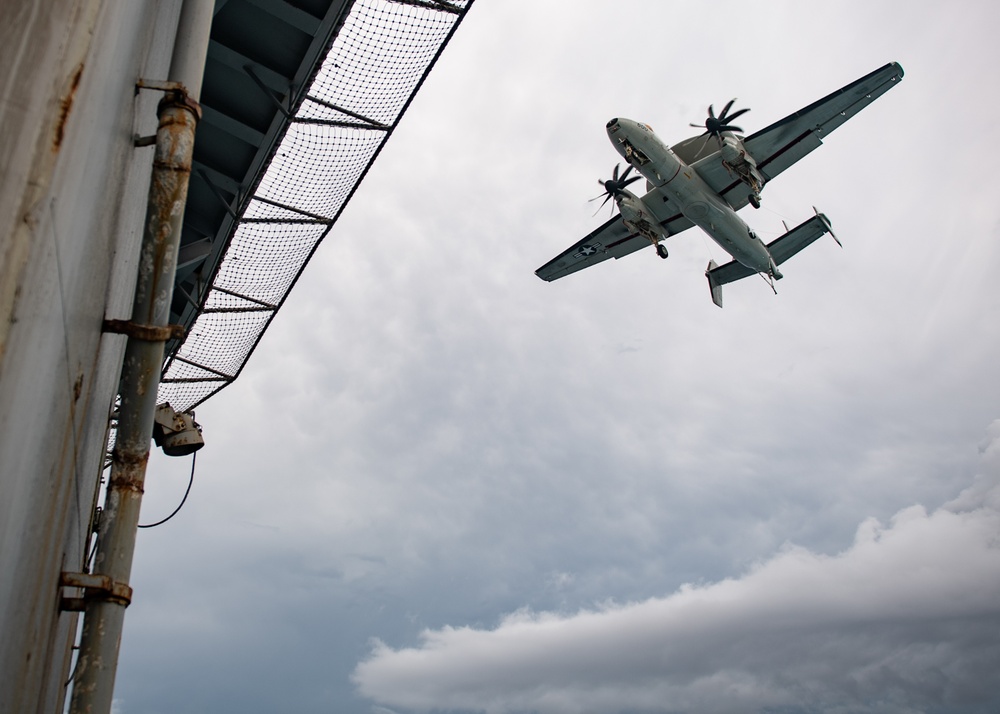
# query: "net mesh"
375 65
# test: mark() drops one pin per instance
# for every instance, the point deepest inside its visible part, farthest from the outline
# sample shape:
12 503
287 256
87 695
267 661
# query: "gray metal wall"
72 201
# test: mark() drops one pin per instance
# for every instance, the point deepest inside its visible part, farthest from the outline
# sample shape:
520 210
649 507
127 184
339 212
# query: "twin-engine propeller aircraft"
703 182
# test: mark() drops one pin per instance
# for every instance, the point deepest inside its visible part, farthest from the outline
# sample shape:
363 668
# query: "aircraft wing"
780 145
611 240
786 141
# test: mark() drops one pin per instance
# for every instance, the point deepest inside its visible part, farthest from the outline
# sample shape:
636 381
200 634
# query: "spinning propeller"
615 185
715 125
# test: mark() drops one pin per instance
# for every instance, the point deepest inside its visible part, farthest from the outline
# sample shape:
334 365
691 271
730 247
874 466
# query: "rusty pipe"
93 683
177 114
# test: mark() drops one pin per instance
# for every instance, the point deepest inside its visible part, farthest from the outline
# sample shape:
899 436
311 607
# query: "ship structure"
143 144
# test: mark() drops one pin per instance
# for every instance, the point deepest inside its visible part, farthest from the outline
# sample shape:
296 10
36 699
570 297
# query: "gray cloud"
905 619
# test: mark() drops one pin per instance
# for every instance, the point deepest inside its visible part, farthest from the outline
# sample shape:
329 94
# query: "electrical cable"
72 675
194 458
92 553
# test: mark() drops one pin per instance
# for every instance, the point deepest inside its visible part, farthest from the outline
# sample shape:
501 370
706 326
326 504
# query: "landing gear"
661 250
740 164
769 279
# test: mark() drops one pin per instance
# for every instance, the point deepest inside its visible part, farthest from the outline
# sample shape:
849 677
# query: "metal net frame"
375 65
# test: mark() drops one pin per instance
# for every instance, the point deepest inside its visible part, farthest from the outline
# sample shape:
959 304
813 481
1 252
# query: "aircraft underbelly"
697 201
699 204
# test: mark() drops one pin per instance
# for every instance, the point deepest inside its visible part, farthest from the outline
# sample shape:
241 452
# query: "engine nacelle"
739 162
640 219
734 154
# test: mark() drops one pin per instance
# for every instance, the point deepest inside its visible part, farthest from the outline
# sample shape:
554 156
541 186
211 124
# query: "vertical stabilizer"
713 284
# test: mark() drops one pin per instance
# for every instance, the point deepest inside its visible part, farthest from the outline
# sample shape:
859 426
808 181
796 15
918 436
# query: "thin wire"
93 550
76 664
194 458
707 243
92 542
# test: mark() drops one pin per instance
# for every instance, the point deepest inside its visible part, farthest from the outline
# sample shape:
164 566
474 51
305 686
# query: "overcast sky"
443 484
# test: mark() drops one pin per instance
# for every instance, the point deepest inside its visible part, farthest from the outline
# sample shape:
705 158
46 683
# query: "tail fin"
728 273
713 284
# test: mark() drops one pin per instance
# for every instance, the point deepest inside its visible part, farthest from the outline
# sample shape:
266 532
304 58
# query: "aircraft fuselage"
639 146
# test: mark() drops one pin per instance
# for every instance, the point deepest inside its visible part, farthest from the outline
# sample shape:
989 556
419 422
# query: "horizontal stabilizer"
728 273
781 249
803 235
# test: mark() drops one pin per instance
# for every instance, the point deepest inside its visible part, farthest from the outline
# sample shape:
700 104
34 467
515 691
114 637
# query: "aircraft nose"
612 122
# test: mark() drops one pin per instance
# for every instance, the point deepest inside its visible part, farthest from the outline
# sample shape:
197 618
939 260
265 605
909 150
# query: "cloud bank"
906 619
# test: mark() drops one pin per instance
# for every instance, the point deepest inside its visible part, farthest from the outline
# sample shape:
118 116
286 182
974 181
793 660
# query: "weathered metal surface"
33 123
72 199
95 587
150 333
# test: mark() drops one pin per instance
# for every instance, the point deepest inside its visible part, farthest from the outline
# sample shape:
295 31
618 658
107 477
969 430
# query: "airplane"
705 180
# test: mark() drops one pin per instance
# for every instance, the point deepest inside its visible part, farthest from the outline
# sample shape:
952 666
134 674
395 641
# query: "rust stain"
129 481
65 106
128 458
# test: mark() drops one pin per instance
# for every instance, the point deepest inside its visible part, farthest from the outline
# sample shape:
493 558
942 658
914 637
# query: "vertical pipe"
93 683
187 65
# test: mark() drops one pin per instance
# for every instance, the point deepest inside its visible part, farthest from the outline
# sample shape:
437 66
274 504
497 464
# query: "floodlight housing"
178 434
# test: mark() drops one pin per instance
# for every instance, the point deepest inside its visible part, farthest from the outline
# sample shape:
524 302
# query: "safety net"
375 65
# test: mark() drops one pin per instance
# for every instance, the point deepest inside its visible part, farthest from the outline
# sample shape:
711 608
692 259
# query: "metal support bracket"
159 86
95 587
366 123
176 93
146 333
218 194
285 111
441 5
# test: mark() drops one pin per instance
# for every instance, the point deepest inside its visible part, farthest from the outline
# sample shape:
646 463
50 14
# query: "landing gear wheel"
661 250
754 200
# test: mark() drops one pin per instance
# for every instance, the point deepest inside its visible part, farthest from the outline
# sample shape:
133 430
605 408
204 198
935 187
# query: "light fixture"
178 434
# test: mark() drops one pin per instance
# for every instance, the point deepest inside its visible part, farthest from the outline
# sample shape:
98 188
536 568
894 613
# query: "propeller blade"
715 125
703 145
740 113
615 186
606 197
829 227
